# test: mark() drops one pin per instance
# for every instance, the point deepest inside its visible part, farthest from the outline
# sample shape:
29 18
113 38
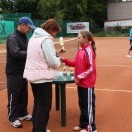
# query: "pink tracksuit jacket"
85 66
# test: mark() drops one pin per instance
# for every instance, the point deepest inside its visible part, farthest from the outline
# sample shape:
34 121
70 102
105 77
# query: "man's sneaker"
27 118
128 56
77 128
16 124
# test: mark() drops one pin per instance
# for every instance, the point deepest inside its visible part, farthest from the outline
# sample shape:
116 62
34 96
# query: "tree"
74 10
26 6
79 10
97 11
50 9
7 6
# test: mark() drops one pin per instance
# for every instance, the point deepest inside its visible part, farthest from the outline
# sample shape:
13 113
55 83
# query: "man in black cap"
15 62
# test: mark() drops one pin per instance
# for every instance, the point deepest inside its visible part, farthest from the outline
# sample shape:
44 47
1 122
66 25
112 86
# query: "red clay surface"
113 90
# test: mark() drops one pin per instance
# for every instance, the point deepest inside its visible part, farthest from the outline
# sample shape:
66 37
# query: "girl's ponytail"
93 46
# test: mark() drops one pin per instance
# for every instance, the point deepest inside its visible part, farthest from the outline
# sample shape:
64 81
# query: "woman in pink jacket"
85 77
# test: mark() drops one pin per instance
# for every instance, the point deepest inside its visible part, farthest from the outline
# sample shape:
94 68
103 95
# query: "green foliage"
111 34
49 9
26 6
123 29
79 10
7 6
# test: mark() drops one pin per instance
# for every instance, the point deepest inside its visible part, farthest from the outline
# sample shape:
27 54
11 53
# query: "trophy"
71 72
61 41
64 70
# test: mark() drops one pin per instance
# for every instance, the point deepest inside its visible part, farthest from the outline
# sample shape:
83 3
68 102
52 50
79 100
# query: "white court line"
4 51
115 65
110 49
110 90
66 40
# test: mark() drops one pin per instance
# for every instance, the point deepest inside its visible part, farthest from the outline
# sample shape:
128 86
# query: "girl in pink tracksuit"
85 78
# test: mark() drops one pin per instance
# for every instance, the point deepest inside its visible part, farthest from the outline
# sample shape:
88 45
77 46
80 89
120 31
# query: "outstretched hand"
58 54
62 59
61 52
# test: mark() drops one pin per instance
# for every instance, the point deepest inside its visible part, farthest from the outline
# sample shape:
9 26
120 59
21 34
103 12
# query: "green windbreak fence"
8 22
14 17
6 27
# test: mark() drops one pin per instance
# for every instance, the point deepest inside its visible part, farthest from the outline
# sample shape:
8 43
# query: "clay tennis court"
113 90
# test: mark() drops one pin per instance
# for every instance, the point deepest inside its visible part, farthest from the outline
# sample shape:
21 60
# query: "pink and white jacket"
85 66
41 59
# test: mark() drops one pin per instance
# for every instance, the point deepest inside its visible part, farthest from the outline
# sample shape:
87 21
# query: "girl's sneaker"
47 130
77 128
95 131
84 130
